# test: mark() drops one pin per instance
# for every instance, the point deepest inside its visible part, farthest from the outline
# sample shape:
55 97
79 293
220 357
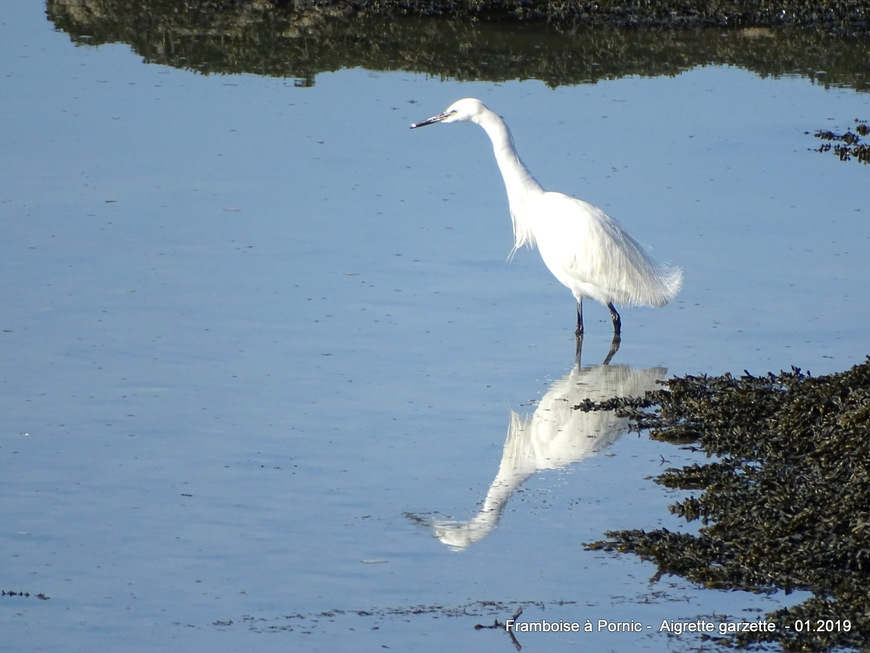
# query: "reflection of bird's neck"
518 181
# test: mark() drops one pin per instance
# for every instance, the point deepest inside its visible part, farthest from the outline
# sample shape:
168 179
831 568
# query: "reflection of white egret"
556 435
584 248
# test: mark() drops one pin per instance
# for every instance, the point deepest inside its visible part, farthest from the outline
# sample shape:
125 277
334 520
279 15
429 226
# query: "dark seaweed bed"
785 502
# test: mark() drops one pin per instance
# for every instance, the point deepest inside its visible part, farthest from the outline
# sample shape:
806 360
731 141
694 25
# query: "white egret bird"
585 249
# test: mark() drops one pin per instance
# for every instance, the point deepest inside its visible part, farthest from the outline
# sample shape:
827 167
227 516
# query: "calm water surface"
269 382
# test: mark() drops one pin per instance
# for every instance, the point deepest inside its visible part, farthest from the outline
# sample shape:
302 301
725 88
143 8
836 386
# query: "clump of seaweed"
786 505
849 145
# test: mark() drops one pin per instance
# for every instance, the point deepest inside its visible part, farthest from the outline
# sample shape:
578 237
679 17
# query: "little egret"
584 248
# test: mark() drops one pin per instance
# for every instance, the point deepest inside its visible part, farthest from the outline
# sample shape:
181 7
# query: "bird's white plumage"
585 249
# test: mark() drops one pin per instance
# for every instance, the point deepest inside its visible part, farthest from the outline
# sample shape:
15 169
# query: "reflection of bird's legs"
579 332
614 347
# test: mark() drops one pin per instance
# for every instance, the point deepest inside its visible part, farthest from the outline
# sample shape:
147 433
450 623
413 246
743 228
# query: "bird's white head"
465 110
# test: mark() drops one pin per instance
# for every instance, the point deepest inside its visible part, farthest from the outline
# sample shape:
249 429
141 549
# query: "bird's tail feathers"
639 280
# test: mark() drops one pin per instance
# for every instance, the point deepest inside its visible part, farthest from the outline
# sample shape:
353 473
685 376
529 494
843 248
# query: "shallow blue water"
260 342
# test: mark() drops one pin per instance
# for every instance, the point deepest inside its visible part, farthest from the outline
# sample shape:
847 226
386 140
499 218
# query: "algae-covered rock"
848 146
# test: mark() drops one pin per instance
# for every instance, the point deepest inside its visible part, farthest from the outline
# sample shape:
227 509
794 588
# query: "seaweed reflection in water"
302 40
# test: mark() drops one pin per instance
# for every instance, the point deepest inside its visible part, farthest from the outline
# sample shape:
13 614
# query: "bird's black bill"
429 121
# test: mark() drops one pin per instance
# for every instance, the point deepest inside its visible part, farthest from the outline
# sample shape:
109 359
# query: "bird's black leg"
617 321
617 333
579 333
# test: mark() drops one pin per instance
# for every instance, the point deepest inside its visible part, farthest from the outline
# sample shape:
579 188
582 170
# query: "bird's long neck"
518 181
